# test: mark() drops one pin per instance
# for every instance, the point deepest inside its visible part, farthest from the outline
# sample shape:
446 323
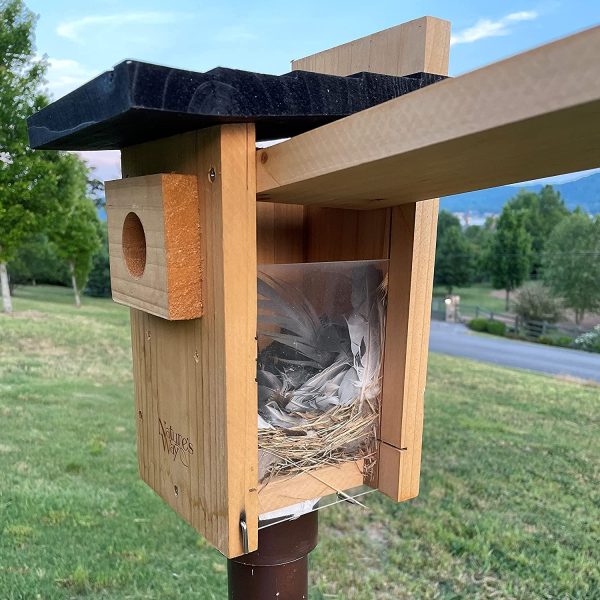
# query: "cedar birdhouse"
280 296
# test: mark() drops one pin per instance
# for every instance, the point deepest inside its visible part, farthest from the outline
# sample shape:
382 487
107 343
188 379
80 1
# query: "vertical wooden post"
406 235
207 364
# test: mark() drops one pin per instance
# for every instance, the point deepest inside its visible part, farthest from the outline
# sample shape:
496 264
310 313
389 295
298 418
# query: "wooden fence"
514 324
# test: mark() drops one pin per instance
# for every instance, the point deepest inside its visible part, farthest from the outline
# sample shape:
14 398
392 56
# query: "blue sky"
82 39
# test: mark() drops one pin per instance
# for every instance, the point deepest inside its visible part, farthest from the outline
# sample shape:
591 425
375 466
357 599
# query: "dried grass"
341 434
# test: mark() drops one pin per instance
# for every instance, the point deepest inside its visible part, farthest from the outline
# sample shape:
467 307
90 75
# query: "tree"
541 213
36 262
99 278
453 259
26 178
510 252
77 238
480 237
74 230
571 263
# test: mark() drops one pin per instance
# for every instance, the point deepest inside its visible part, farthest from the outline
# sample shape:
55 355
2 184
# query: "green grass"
479 294
509 504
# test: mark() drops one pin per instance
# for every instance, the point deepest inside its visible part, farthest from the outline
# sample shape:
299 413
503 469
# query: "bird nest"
321 333
340 434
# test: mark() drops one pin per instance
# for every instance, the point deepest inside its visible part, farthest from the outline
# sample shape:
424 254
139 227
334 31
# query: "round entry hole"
134 245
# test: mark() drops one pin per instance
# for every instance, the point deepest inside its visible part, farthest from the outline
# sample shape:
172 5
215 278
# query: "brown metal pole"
278 570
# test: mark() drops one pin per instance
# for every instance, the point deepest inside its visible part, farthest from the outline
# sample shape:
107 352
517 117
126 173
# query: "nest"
340 434
319 366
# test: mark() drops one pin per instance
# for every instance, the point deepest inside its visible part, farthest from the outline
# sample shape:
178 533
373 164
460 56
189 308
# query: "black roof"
138 102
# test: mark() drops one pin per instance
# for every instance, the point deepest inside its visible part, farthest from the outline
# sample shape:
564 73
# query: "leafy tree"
453 259
99 279
571 263
446 220
26 178
77 239
510 252
541 213
36 262
537 303
480 238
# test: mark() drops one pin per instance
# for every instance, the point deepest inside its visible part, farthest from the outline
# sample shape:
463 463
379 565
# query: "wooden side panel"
399 50
194 380
412 259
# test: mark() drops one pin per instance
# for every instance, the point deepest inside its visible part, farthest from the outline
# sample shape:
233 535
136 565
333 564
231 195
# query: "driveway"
457 340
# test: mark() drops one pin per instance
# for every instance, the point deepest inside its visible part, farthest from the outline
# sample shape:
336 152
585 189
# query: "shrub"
488 326
478 324
496 327
536 303
589 341
564 341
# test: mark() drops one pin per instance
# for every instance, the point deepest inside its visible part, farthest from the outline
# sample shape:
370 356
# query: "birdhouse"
280 295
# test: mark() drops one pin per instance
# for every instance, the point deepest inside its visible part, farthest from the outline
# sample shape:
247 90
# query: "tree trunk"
6 300
507 299
74 284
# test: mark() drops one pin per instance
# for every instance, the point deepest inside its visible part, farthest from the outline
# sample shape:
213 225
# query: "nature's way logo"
174 443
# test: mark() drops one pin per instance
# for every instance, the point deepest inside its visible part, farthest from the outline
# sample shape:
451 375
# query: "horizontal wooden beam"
534 115
419 45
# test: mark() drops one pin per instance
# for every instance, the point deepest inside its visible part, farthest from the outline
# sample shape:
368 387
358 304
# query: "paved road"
457 340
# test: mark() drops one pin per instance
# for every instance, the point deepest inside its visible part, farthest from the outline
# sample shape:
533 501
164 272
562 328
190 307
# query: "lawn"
479 294
509 504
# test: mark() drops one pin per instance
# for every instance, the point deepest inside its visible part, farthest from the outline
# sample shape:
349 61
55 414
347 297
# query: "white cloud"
106 163
485 28
65 74
72 30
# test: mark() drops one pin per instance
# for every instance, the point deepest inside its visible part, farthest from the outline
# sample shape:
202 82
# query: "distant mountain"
584 192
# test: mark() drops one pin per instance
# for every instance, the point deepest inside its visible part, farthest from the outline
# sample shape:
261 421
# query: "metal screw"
244 528
212 175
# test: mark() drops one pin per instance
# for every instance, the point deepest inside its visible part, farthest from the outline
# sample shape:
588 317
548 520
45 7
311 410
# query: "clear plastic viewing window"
320 353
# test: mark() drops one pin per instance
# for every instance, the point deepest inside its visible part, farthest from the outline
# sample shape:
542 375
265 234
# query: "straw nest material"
341 434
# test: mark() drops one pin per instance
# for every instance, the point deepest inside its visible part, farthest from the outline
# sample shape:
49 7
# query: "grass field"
479 294
509 504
